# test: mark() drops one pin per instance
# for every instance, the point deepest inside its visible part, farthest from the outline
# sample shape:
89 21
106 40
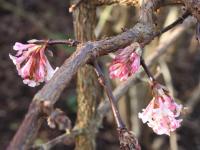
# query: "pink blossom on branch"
32 64
162 112
126 63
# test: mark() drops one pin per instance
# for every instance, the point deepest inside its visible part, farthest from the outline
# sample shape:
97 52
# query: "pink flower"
126 63
162 112
32 64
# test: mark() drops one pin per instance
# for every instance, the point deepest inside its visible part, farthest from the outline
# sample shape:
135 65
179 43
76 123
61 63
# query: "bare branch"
127 139
105 84
69 42
147 71
67 138
169 27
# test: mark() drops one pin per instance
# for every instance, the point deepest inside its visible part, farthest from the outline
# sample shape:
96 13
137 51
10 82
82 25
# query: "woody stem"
147 71
105 84
68 42
178 21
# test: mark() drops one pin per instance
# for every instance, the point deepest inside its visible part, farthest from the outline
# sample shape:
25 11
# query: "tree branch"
127 139
105 84
147 71
67 138
169 27
52 90
69 42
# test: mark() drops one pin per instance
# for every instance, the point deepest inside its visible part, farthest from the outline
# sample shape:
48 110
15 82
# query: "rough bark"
87 83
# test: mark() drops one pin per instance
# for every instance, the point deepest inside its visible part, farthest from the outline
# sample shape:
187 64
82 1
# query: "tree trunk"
87 83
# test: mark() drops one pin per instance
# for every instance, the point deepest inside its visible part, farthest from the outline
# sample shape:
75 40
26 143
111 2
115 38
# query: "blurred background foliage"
179 70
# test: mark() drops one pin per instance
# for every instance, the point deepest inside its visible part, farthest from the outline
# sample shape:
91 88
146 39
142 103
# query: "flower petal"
50 71
19 46
161 113
30 83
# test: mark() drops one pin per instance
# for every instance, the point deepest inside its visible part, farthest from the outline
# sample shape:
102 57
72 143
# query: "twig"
105 84
127 139
69 42
178 21
147 71
66 138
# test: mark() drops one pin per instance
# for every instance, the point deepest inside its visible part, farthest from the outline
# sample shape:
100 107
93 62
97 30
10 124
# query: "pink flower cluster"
162 112
126 63
32 64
